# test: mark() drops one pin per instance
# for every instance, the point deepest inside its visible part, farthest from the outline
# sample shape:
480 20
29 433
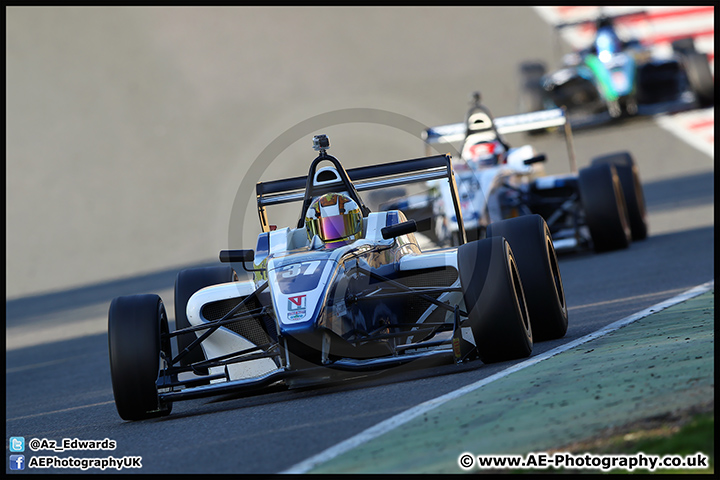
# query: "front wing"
176 382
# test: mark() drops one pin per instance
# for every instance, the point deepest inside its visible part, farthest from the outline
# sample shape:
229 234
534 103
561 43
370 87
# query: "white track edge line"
404 417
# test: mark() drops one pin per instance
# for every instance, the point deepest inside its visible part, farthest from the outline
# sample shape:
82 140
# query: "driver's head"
335 218
485 153
608 41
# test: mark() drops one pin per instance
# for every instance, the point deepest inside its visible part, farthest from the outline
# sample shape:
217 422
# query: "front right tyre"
139 348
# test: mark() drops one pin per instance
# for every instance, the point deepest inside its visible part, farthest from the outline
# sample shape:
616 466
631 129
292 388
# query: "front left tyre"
604 207
139 349
629 178
494 300
531 243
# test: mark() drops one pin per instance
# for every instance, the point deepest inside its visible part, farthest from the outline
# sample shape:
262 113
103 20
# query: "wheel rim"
555 270
520 293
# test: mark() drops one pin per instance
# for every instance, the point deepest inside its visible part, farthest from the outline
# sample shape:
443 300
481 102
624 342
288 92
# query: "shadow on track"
687 191
25 308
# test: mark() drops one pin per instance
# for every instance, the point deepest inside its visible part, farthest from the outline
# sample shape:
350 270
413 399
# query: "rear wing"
524 122
601 17
371 177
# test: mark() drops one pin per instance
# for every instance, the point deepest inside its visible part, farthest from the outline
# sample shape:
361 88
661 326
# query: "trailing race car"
613 78
346 290
600 206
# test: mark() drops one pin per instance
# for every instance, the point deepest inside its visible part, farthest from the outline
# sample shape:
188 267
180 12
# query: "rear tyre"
138 352
684 45
632 191
188 282
531 243
531 96
495 300
604 204
700 78
531 100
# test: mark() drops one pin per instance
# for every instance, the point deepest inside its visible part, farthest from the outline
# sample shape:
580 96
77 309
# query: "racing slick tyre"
494 300
531 243
138 351
632 190
604 204
188 282
441 231
532 97
532 70
683 45
531 100
700 78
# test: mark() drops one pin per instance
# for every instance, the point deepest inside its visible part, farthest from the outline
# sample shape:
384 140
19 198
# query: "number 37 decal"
304 268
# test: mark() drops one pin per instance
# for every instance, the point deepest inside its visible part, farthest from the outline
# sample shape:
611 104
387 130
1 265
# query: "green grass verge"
695 436
680 435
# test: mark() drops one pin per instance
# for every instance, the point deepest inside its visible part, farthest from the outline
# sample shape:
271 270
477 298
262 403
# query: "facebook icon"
17 462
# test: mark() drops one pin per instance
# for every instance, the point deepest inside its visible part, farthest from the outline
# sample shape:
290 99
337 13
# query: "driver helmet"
335 218
485 153
608 41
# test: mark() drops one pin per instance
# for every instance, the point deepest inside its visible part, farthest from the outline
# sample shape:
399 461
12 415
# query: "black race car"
614 78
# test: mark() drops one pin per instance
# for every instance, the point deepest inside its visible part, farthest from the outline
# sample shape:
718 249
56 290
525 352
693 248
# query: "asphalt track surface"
129 132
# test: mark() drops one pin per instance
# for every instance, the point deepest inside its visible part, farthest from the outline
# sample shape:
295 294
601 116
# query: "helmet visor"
335 227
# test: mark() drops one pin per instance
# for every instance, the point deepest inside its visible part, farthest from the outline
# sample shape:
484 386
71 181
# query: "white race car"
344 291
600 206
